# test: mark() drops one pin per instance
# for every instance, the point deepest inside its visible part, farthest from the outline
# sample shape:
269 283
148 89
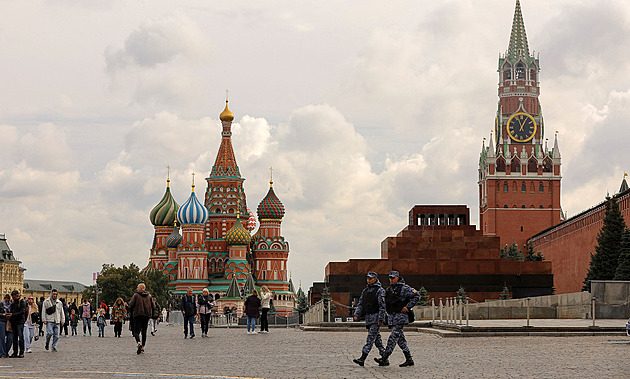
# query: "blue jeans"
3 338
101 330
251 321
189 320
52 330
87 323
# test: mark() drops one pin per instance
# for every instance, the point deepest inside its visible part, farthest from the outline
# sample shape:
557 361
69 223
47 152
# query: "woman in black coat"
252 304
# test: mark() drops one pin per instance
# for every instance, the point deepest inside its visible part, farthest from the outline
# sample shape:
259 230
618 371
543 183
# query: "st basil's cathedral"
215 249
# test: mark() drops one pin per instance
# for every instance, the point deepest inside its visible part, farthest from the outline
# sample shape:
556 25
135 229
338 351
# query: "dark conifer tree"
623 268
606 258
531 255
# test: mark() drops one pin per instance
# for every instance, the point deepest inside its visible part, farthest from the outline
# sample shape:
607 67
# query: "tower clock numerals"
521 127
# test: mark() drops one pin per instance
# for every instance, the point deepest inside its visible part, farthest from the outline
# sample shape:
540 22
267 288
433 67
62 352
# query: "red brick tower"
519 180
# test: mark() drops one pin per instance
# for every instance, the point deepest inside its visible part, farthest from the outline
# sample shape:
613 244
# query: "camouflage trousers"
373 338
396 337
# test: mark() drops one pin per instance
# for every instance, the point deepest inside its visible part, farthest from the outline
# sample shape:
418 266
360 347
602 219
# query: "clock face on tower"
521 127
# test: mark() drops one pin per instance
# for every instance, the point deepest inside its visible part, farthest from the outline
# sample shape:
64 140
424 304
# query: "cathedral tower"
519 176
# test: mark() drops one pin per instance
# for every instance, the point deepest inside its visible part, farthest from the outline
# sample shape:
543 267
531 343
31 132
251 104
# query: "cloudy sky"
363 109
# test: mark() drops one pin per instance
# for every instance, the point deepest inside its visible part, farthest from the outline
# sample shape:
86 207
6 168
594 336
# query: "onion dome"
174 239
270 207
226 115
251 222
164 213
237 235
192 211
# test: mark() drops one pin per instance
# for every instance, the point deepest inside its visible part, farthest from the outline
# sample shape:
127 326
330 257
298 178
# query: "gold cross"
271 171
193 185
168 176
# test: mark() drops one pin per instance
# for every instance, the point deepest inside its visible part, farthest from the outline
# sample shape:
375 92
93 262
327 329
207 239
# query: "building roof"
518 47
47 285
165 212
233 290
6 254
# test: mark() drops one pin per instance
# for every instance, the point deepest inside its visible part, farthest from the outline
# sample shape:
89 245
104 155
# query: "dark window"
521 228
541 207
520 71
505 206
523 188
541 188
523 206
505 187
507 74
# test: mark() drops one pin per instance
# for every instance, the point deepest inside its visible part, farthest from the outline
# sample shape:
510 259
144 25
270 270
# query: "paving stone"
291 353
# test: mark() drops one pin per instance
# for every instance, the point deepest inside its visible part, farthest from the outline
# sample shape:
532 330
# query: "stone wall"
612 298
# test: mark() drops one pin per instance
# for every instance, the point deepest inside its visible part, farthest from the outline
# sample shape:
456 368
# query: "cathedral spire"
518 46
225 163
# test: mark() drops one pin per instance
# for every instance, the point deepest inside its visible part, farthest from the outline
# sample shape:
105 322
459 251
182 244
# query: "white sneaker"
248 332
28 351
254 332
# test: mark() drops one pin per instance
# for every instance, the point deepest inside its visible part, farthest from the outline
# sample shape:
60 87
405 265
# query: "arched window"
523 189
505 187
547 165
541 207
505 206
532 165
216 233
507 73
532 188
523 206
220 265
532 75
501 164
520 71
514 186
541 188
516 165
213 265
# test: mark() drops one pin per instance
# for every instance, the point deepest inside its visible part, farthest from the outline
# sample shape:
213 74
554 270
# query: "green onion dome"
174 239
237 235
165 212
270 207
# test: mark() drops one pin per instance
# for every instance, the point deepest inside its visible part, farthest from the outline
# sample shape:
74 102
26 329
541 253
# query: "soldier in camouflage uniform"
399 299
372 306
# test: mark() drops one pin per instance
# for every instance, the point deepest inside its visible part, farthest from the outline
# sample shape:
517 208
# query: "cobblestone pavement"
291 353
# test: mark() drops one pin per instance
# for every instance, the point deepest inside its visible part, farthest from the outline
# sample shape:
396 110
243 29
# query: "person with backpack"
372 306
399 299
53 318
189 309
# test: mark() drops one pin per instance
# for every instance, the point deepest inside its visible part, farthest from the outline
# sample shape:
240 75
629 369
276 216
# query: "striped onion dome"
192 211
237 235
174 239
270 207
251 221
164 213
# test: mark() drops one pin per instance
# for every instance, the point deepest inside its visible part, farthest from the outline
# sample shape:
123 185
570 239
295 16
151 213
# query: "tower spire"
518 46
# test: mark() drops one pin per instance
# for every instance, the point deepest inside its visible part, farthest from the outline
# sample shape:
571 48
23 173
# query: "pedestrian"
206 302
153 321
100 322
17 318
86 316
32 319
53 317
252 304
119 314
372 307
164 315
74 321
399 299
66 314
40 333
265 300
141 305
7 341
189 309
5 306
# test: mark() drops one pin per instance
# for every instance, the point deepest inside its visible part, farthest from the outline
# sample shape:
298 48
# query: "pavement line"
146 374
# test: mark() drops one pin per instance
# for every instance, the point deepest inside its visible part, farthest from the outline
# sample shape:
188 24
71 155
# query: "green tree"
461 294
114 282
302 302
424 296
623 268
604 262
505 294
531 255
512 252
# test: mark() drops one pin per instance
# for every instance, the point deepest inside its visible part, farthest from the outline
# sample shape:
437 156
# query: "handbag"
52 309
35 318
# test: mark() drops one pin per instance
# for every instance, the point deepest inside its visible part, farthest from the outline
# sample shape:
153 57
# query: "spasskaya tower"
519 175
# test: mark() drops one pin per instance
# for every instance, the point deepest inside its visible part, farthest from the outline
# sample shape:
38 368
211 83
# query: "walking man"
17 318
141 305
372 306
399 299
53 317
189 309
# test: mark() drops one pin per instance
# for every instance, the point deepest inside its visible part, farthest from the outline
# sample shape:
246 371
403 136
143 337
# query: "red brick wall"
568 245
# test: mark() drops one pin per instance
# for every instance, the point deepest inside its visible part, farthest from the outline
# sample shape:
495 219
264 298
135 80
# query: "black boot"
360 361
408 361
382 361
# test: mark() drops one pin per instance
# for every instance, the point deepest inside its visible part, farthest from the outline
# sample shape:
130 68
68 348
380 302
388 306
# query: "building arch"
501 164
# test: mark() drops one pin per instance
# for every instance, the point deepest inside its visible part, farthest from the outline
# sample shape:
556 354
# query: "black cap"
372 274
394 274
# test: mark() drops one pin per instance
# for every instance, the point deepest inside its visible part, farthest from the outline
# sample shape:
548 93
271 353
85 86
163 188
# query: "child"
74 321
100 322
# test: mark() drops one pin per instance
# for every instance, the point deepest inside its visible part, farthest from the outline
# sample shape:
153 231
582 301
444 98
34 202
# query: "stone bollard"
441 311
432 310
593 309
467 311
528 299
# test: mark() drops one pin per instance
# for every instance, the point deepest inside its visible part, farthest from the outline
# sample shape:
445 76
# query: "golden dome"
226 115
